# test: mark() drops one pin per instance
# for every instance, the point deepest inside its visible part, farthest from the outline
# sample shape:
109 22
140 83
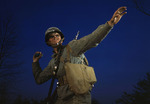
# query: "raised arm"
82 45
40 75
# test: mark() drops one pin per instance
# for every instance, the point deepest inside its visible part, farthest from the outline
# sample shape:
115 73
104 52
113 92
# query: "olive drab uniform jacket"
79 47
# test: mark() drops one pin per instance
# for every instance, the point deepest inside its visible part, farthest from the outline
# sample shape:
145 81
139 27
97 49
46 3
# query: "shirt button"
54 73
55 67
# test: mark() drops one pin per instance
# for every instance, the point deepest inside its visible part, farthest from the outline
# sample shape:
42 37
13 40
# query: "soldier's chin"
55 45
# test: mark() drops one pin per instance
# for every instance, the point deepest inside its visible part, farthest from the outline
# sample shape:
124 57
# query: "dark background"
120 60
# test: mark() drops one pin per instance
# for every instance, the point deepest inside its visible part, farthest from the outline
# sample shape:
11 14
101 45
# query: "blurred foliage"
140 95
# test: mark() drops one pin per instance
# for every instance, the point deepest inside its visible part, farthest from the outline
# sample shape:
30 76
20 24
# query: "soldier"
54 38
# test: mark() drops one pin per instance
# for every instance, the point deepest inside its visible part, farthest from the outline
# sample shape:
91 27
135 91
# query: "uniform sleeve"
92 40
40 75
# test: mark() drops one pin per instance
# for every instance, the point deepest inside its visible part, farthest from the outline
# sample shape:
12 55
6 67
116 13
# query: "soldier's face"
54 38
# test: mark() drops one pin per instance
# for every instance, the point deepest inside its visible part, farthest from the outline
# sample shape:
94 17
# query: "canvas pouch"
80 77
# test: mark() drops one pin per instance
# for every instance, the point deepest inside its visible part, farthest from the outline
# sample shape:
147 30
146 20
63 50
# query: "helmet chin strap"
57 44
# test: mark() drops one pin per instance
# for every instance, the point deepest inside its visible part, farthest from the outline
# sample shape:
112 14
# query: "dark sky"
120 60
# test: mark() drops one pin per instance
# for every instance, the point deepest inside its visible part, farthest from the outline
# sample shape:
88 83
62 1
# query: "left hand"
117 16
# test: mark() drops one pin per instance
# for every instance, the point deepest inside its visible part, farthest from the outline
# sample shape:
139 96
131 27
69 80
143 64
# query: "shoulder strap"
51 97
69 50
86 60
58 60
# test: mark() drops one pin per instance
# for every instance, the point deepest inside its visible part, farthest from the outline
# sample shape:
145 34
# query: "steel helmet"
53 30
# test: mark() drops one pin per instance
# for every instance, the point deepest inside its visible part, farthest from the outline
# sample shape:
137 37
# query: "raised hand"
37 56
117 16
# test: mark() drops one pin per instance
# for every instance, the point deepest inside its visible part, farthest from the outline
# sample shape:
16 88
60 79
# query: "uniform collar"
58 49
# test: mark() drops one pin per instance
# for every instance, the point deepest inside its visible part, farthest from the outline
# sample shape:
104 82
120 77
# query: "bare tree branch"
9 62
140 7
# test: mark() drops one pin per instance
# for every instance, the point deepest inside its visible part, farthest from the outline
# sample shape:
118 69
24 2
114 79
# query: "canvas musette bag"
80 77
